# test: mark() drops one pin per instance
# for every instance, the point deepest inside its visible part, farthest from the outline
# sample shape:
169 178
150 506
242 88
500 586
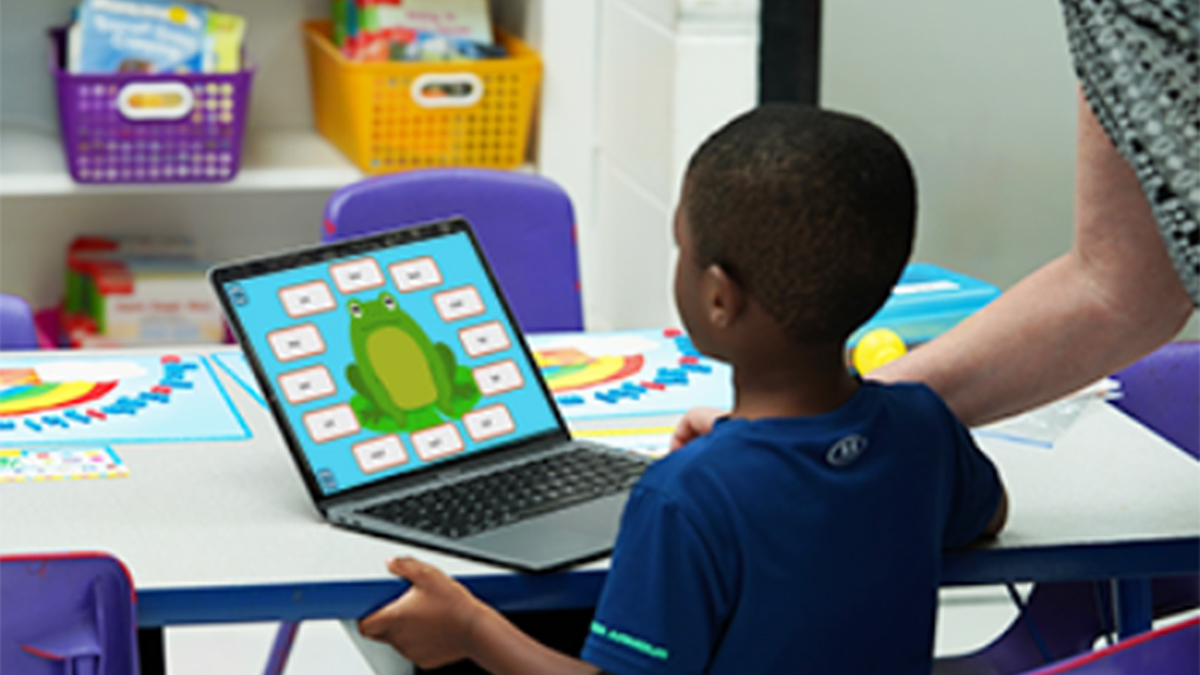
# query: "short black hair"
811 211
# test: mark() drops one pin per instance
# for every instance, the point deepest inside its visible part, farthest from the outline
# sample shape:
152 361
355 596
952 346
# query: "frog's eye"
389 302
356 310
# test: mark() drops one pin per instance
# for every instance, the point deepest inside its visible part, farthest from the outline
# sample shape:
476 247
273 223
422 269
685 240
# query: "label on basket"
447 90
155 101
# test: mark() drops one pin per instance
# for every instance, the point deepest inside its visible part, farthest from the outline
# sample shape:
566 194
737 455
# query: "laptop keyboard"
504 497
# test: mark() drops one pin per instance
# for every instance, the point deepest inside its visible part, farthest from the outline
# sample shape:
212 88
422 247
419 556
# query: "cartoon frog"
404 380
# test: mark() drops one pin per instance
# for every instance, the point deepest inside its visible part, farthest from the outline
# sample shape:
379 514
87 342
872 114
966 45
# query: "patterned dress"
1139 65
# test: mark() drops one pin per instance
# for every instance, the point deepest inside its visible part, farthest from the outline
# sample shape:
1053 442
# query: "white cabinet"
629 88
669 74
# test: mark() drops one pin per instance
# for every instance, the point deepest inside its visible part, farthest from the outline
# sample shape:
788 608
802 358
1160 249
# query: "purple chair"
1174 650
1162 391
1062 619
17 329
1057 621
524 223
68 614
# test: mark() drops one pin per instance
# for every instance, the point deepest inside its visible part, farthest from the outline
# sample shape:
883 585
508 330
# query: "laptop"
412 405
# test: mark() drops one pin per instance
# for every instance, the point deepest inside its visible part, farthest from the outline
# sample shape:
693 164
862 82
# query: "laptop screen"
388 355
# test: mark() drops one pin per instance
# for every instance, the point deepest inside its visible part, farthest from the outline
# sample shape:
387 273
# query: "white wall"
982 96
630 88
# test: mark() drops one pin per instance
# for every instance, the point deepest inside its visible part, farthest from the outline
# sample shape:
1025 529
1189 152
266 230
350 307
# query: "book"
223 43
423 30
140 36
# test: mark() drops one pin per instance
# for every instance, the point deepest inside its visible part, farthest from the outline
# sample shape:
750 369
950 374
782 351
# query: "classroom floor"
968 618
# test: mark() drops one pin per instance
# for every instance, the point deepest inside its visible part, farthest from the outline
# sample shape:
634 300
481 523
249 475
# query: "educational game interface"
390 361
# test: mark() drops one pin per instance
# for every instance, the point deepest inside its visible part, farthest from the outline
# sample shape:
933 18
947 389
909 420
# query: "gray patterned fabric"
1139 64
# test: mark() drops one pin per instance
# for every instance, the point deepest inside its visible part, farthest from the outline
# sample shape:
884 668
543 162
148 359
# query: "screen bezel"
221 275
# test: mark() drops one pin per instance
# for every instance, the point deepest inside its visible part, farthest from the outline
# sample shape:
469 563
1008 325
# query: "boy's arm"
695 423
978 506
999 517
438 621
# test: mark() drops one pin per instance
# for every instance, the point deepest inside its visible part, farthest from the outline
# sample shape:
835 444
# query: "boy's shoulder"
722 450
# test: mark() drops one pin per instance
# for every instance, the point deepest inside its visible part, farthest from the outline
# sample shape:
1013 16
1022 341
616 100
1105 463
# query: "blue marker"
33 425
7 425
75 416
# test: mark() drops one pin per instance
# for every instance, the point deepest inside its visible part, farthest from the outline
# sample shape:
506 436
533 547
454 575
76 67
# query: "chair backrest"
1059 620
524 223
67 613
1162 391
17 329
1172 650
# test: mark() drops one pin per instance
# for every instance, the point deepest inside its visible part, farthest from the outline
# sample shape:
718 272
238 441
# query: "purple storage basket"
103 144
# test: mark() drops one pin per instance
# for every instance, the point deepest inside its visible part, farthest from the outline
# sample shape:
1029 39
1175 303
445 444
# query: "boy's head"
811 212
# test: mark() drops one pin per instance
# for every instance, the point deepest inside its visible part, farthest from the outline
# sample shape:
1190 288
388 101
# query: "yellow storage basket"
395 116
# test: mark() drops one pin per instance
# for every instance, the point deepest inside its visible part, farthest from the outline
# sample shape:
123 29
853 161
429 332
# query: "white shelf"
32 164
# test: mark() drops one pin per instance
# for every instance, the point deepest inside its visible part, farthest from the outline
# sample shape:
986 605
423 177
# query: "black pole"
789 54
152 651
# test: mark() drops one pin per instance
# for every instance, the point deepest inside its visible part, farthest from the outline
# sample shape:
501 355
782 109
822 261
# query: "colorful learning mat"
20 466
629 373
66 398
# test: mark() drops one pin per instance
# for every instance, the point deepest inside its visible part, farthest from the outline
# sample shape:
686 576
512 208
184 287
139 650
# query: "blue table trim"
578 589
1119 560
341 600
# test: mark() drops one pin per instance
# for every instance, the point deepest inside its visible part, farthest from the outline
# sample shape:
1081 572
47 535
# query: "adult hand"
695 423
431 624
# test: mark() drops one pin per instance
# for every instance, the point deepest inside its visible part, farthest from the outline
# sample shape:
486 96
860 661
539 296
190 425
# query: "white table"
225 531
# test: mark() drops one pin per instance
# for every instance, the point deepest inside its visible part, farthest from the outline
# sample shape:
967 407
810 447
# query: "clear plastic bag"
1045 425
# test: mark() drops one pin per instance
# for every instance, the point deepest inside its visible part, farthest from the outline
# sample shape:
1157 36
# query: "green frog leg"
369 414
464 393
423 418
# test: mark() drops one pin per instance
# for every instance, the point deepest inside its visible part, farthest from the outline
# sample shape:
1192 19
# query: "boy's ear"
724 297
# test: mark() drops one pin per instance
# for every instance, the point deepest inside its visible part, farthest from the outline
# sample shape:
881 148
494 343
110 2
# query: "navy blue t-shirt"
795 545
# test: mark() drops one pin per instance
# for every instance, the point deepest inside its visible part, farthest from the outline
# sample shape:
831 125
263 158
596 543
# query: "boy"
804 533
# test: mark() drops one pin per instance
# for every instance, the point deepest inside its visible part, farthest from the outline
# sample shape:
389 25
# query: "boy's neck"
791 381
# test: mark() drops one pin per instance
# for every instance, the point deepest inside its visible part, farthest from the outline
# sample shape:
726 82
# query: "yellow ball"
876 348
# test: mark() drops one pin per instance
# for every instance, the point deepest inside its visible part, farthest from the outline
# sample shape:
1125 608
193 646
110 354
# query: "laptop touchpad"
561 534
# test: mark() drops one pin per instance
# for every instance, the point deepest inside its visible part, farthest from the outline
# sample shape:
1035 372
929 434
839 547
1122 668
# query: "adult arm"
1111 299
437 621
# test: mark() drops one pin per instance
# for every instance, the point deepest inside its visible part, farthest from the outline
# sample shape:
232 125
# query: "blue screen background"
260 311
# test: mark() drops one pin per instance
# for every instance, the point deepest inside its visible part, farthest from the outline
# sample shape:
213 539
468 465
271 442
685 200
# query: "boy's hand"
431 624
694 423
